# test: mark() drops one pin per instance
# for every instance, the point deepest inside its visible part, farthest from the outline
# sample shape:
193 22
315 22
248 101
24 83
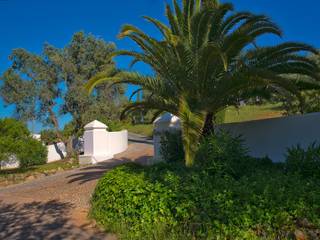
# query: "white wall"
11 163
101 145
117 141
55 152
271 137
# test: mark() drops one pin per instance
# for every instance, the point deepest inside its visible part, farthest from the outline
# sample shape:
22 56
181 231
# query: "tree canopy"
44 86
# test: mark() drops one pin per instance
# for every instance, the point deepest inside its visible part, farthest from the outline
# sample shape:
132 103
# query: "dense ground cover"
226 195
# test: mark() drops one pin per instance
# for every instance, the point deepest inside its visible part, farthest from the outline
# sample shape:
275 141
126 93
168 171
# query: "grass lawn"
14 176
249 113
143 129
231 114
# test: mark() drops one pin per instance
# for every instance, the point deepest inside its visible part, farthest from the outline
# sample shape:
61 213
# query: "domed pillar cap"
95 125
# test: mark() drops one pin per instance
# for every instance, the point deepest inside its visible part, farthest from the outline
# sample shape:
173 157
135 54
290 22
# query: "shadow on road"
38 220
95 172
145 141
136 138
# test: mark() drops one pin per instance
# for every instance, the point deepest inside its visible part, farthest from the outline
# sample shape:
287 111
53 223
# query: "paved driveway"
56 207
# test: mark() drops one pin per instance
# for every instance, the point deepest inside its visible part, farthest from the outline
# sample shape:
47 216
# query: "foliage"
171 147
15 140
142 129
225 195
170 201
304 161
49 136
311 99
12 128
36 84
221 151
30 152
208 59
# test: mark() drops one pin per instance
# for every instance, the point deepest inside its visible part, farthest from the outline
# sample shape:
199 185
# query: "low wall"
117 141
269 137
11 163
56 152
101 145
272 137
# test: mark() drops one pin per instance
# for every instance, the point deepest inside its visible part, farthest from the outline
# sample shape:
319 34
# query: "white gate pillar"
95 144
166 122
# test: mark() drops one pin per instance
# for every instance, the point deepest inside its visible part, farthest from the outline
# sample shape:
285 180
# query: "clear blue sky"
29 23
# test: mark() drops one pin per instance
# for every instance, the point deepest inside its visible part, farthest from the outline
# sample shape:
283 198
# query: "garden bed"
225 195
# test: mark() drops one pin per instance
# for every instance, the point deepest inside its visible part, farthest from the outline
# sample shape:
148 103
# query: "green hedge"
305 162
16 140
226 196
171 202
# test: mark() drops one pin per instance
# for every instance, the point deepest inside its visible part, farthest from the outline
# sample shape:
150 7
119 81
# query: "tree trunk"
208 127
54 120
69 147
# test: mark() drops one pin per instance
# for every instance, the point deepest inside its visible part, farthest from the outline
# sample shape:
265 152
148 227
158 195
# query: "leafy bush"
16 141
304 161
171 148
31 152
221 151
226 195
169 201
224 154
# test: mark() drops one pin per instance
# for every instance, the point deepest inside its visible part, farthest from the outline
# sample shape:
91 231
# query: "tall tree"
206 60
45 86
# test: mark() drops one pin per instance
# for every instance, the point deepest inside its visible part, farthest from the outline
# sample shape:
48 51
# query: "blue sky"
29 23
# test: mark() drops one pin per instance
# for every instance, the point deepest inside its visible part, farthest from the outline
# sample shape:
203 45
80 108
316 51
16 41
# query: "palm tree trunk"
208 127
189 144
191 135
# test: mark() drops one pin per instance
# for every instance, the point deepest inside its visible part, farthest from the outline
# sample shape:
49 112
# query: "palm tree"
206 60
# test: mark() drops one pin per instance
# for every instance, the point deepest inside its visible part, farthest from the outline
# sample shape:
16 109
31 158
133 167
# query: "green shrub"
169 201
221 153
12 128
304 161
171 146
31 153
28 151
16 141
226 195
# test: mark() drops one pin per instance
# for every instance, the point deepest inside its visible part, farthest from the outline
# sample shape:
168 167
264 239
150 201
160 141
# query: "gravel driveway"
56 207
